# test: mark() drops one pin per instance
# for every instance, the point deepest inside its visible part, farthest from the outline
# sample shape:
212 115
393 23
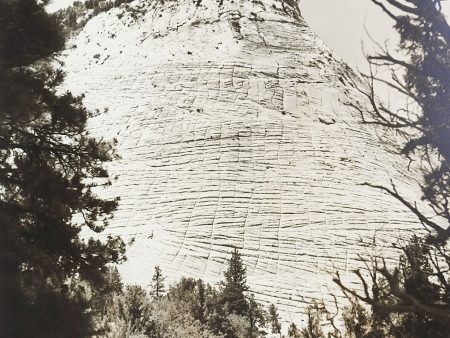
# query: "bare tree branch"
444 233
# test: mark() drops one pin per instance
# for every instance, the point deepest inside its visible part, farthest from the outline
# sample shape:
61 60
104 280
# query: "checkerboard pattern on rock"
233 130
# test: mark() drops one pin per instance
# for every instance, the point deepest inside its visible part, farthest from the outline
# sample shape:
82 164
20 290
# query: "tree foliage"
313 327
256 318
420 73
293 331
158 283
274 319
410 300
190 308
49 170
134 309
413 298
235 285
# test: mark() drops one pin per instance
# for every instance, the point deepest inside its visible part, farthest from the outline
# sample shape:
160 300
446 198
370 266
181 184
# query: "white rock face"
233 131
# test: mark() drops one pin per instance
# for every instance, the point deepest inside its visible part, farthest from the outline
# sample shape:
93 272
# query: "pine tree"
199 308
313 327
49 169
293 331
158 283
103 299
134 309
274 319
256 318
235 285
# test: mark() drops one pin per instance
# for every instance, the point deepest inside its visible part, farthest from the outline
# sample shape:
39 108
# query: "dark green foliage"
235 284
49 167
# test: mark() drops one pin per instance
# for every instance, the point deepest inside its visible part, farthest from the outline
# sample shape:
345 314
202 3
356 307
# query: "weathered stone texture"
233 131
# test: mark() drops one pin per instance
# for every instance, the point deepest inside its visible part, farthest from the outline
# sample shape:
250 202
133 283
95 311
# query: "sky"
349 28
342 25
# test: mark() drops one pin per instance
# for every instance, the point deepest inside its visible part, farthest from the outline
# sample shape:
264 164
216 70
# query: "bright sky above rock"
342 25
350 27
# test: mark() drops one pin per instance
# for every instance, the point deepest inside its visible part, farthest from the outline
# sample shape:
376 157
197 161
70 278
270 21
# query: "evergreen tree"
189 310
49 168
158 283
293 331
216 316
357 320
199 307
274 319
256 318
411 300
313 327
235 285
134 309
103 299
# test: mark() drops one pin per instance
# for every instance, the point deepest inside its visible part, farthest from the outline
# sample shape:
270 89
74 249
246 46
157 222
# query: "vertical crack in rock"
233 132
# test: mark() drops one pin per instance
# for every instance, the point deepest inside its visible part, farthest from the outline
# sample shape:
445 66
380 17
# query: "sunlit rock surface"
233 131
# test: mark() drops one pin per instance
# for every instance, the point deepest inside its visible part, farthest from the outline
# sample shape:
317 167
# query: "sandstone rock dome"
232 126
